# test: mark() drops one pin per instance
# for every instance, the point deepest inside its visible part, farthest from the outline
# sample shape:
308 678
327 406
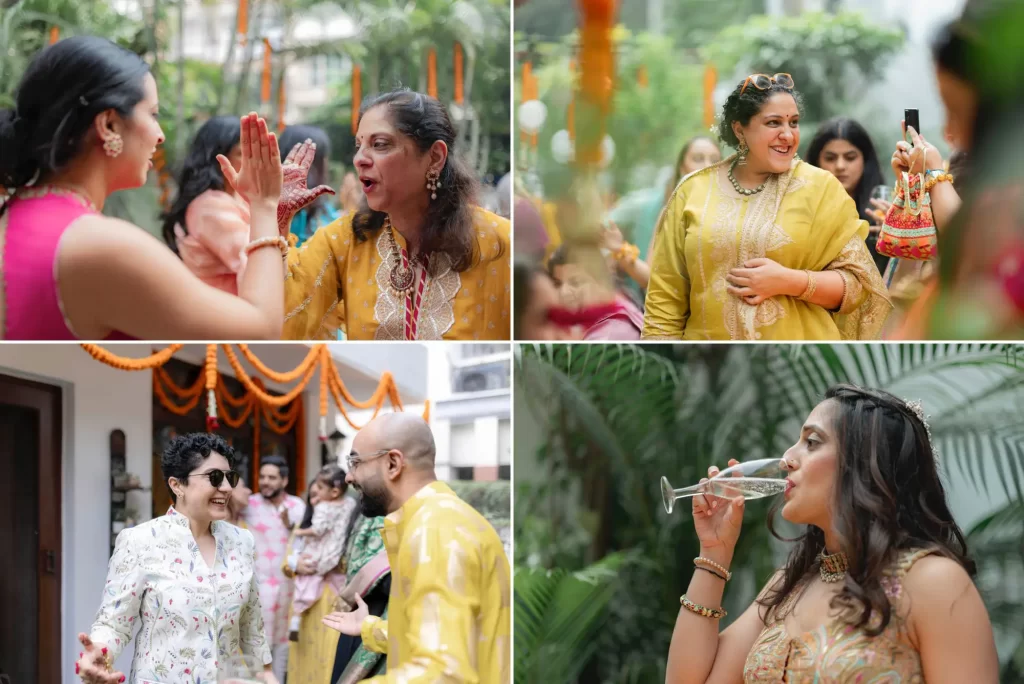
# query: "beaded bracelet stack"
719 571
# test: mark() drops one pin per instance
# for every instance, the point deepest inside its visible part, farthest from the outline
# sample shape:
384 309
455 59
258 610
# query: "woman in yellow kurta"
763 245
420 261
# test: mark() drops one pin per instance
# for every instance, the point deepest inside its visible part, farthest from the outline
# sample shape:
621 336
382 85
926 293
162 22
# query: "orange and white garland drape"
279 413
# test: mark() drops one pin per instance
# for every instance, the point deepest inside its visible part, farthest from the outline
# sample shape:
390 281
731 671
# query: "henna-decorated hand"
295 196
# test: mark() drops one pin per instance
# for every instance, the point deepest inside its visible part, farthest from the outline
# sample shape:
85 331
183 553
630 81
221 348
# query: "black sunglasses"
216 477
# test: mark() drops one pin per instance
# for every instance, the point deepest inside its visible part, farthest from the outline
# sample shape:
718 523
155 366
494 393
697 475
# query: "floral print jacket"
191 616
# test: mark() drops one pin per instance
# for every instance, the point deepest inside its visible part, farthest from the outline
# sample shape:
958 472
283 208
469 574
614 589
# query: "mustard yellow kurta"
336 281
803 220
449 613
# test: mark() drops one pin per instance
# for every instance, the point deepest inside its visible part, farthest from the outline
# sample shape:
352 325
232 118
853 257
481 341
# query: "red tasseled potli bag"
909 229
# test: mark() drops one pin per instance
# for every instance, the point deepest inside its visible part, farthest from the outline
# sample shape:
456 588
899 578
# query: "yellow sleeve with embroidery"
442 596
312 284
667 306
375 634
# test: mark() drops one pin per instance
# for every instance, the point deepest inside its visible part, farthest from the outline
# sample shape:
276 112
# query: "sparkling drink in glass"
751 480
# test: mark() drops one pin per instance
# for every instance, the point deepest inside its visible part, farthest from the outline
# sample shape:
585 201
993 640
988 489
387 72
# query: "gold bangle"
812 285
713 613
723 571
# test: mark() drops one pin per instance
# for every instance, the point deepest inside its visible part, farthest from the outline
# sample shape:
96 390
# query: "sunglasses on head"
764 82
216 477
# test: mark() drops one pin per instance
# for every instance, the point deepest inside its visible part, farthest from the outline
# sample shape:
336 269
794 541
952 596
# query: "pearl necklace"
739 188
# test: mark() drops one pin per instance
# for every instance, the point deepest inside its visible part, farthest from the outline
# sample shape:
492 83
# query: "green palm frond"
558 614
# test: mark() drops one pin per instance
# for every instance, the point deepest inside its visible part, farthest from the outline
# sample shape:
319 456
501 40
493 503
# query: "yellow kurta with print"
336 281
449 613
803 219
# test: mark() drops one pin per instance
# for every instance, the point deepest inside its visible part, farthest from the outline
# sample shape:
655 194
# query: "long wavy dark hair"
888 497
201 172
849 130
63 89
292 136
449 221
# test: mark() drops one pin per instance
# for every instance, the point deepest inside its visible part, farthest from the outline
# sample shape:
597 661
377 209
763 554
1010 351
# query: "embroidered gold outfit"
803 219
335 281
449 613
836 653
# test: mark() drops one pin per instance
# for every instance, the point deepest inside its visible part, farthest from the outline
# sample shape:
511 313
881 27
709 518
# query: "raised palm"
295 196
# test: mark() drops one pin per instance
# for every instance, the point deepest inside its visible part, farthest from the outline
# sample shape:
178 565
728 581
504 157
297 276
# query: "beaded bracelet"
812 285
711 572
278 241
725 574
932 182
713 613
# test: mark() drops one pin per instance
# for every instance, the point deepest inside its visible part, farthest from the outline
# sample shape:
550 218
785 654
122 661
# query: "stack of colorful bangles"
719 571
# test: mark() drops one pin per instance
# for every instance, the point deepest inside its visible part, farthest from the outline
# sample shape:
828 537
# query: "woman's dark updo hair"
65 86
201 171
449 220
888 498
186 452
852 132
743 107
292 136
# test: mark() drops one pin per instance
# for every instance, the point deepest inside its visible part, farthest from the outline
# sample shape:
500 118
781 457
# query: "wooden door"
30 538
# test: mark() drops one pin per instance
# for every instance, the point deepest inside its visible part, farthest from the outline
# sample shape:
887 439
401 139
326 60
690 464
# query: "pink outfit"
624 325
218 231
31 228
271 535
330 523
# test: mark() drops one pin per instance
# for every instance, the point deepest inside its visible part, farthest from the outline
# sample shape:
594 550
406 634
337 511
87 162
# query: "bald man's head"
392 457
404 432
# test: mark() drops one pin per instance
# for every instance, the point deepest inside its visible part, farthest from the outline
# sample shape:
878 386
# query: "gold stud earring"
113 145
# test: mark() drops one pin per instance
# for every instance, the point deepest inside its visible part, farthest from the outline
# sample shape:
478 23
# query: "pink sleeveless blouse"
30 231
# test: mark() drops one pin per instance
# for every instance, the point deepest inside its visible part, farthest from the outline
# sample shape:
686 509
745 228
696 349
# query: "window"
462 473
505 472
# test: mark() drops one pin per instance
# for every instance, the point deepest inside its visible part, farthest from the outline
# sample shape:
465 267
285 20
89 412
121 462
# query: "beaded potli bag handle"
908 231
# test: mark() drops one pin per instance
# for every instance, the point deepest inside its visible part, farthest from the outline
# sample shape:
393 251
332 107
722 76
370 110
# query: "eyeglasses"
354 461
217 477
764 82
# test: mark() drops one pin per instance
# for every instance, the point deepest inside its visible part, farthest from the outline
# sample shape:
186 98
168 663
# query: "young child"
324 541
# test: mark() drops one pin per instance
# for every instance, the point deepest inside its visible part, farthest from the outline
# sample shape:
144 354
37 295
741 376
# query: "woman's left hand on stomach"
760 279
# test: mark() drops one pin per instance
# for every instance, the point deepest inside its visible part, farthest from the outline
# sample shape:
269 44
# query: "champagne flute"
240 669
750 479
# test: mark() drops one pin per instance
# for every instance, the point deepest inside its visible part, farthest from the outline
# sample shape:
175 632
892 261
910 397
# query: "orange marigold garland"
126 363
211 386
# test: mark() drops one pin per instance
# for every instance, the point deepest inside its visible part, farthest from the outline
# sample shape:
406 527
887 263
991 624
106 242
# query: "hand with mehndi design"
295 196
92 665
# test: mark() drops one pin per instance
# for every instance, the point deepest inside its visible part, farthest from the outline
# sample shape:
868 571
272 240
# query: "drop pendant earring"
433 183
741 159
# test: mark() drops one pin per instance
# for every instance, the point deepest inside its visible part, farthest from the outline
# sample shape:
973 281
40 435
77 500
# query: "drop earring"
433 183
113 145
741 160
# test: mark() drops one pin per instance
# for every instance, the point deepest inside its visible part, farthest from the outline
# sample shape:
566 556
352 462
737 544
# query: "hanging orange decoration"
597 72
432 72
267 70
211 386
54 34
281 101
243 21
457 59
357 96
642 77
710 82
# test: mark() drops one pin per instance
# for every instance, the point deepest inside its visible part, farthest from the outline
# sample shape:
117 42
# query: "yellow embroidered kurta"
803 219
336 281
449 613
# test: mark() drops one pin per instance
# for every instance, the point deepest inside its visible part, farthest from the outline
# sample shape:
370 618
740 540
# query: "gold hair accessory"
713 613
832 568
